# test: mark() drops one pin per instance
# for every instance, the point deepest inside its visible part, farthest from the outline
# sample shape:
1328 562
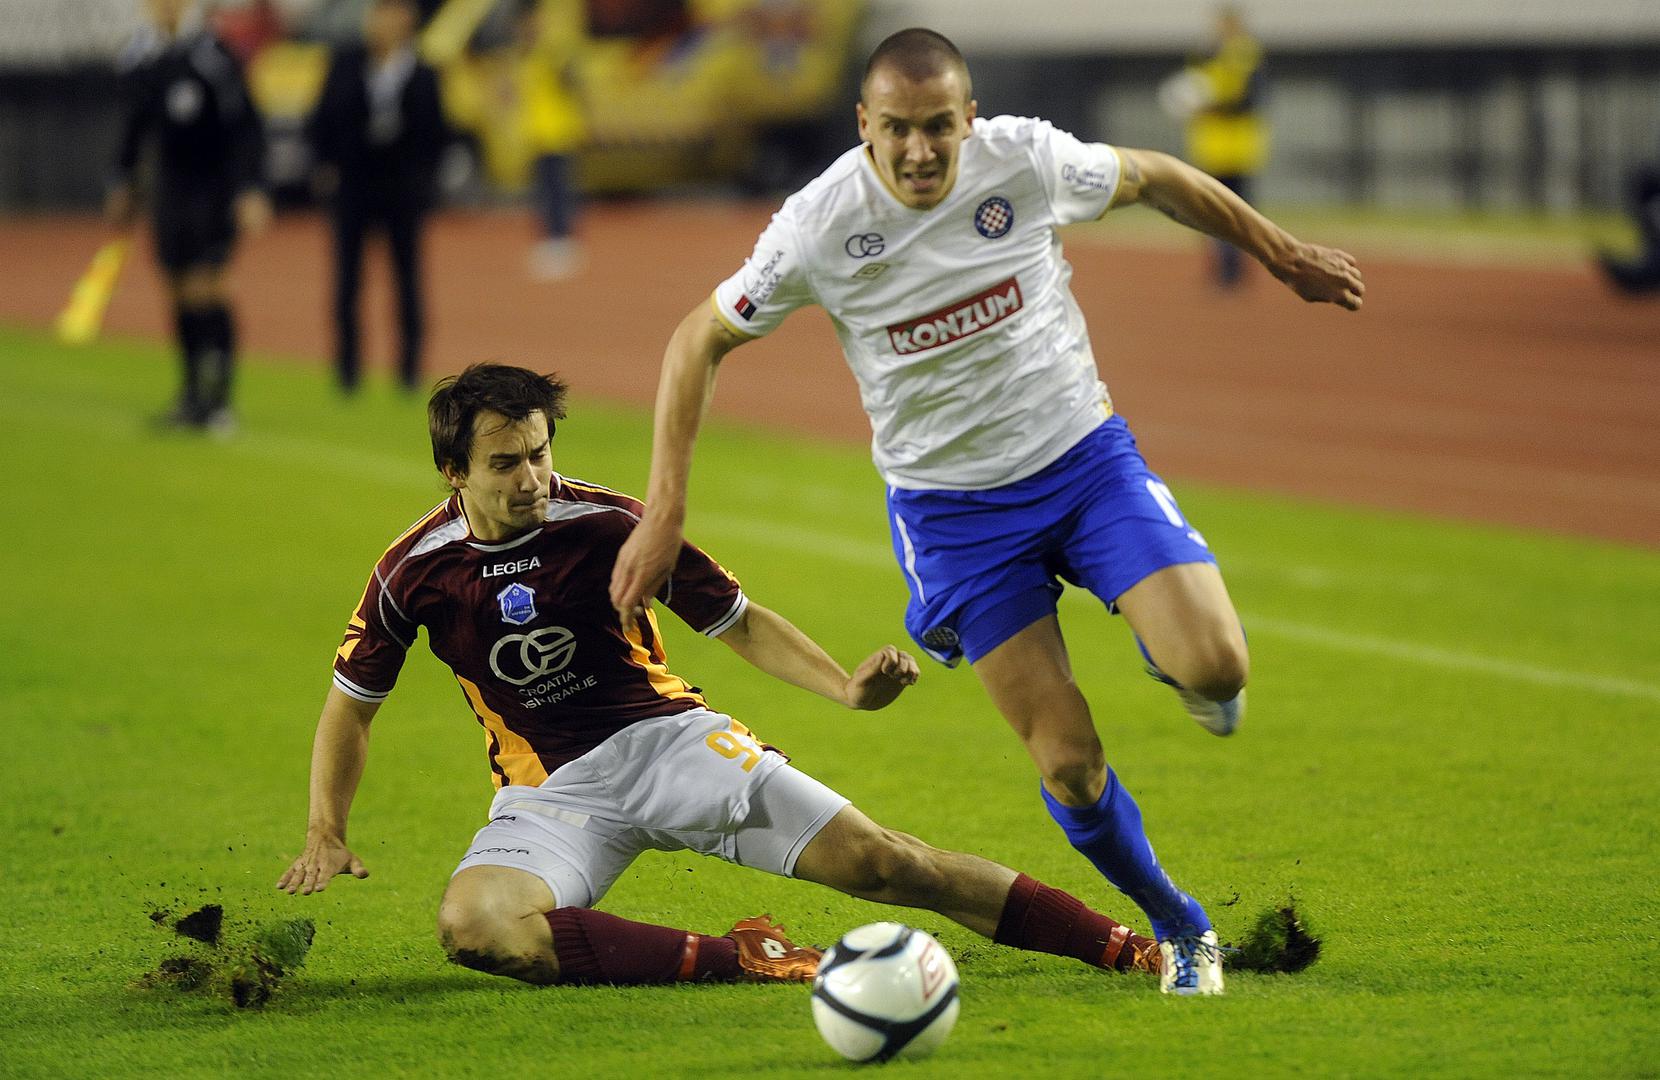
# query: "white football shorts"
695 781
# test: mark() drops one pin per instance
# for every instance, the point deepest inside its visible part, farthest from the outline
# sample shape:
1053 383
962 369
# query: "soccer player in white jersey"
932 246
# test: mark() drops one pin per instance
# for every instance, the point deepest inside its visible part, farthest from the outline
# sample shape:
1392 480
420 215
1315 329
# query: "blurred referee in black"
186 96
377 133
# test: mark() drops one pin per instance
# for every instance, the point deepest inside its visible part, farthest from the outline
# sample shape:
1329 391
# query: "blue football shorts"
984 565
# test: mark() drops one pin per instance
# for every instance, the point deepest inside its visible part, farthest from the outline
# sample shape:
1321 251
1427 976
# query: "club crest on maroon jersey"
518 604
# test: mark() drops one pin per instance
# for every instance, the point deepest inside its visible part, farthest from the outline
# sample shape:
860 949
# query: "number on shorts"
734 744
1167 503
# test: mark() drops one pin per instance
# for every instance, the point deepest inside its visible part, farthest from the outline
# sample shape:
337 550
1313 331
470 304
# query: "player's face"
915 129
505 490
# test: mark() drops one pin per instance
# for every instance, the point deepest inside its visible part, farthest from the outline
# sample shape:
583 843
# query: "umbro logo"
870 271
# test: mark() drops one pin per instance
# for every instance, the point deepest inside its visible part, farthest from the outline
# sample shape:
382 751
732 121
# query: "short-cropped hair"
514 392
917 53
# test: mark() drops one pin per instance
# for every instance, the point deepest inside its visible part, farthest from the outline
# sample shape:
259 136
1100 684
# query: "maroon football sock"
593 947
1042 919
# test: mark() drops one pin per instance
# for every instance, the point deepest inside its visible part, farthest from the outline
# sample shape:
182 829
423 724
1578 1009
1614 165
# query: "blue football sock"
1109 834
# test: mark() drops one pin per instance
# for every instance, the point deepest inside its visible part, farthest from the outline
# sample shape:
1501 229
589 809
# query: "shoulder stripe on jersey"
448 533
422 520
388 598
730 619
589 485
381 603
351 689
565 511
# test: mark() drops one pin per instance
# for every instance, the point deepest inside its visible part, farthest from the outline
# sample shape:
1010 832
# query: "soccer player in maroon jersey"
598 752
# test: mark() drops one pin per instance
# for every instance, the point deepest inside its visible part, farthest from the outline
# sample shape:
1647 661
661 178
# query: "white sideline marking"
1456 661
863 553
356 464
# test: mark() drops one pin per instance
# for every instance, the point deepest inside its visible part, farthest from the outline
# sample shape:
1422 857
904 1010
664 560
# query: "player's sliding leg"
1186 627
504 921
1030 681
855 855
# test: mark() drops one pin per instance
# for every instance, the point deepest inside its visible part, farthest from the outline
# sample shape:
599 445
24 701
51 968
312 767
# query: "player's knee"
900 869
1222 670
473 931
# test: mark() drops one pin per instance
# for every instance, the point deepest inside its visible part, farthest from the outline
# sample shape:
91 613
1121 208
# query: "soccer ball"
885 991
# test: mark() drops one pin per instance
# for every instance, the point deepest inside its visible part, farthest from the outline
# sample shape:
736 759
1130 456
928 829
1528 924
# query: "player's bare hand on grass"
1323 275
643 565
323 858
882 677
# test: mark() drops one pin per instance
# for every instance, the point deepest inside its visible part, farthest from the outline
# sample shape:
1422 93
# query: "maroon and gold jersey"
528 628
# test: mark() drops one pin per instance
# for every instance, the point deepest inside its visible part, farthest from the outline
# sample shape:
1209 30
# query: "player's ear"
864 121
456 480
972 111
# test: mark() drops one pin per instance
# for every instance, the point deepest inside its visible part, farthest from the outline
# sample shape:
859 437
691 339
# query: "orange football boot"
766 955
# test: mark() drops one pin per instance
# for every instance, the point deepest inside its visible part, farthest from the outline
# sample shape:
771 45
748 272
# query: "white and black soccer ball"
885 991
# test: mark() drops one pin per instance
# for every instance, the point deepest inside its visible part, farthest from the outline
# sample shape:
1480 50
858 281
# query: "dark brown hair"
514 392
917 54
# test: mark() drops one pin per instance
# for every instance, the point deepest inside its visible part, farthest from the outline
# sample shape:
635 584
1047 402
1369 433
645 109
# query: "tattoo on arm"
1174 213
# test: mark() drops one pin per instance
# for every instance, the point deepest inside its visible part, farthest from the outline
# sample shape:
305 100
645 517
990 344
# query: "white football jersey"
972 357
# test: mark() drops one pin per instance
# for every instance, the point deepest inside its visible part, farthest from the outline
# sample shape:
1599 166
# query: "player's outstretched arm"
337 757
683 392
1199 201
775 645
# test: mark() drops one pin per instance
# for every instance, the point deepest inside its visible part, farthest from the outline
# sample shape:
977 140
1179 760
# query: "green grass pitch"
1451 761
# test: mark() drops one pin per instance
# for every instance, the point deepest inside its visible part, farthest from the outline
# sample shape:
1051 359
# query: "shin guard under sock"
593 947
1042 919
1110 835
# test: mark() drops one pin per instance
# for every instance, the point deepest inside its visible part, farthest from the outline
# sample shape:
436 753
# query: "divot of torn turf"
203 924
248 976
179 972
1279 942
279 949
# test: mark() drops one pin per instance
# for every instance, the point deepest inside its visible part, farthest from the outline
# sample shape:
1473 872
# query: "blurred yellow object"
1227 136
83 316
286 78
641 114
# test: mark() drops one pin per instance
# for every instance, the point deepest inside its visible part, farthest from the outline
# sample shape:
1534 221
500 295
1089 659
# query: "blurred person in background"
378 131
248 28
1219 97
547 37
187 101
1641 273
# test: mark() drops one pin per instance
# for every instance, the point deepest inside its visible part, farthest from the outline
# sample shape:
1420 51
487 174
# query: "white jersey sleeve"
1080 177
772 283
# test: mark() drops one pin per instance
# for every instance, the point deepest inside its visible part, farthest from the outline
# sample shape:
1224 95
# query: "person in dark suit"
377 133
1640 273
